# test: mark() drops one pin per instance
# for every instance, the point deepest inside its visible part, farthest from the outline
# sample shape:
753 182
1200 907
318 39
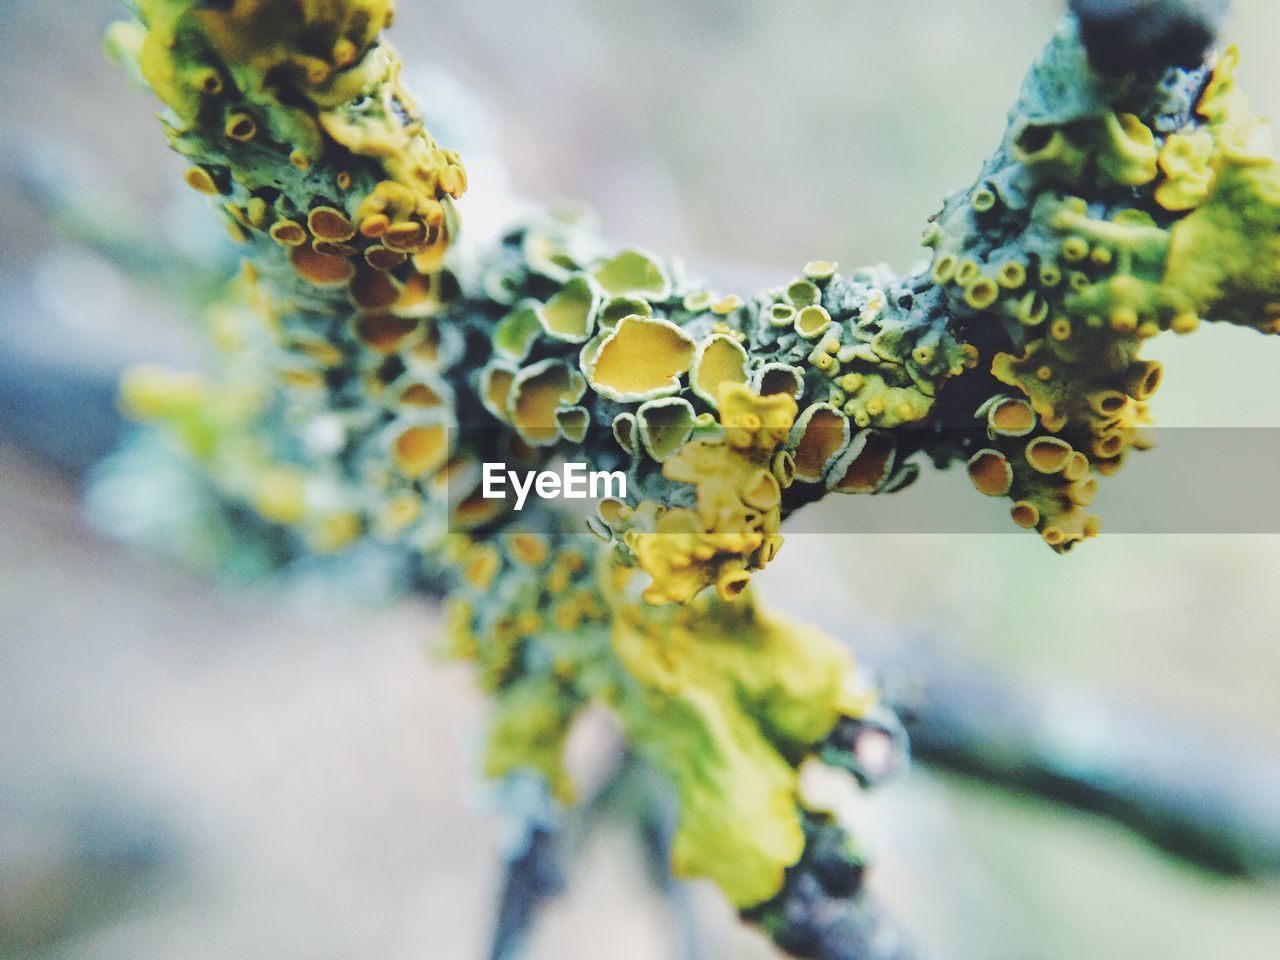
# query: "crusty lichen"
366 381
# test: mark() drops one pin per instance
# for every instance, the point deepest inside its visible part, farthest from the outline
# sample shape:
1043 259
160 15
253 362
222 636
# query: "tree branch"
1200 797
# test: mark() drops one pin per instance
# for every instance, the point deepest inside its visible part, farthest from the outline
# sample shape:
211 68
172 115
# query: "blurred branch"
164 251
646 804
822 913
550 840
1122 34
1212 801
65 415
530 879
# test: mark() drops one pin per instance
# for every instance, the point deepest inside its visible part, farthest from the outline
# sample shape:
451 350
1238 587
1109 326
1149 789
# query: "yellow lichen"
719 359
866 463
819 436
641 358
729 533
990 473
420 448
713 678
570 314
633 273
665 424
535 394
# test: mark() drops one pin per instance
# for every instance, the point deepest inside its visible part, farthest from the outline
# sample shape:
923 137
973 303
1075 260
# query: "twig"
1205 799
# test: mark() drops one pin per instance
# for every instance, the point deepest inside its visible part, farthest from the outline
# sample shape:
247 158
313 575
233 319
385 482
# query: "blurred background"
198 769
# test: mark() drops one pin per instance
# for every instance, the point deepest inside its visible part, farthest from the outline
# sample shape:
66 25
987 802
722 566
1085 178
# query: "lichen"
368 376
